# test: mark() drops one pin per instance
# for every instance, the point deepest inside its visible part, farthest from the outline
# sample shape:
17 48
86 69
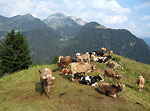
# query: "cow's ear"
39 71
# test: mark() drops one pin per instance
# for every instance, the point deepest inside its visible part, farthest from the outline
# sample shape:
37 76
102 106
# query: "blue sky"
133 15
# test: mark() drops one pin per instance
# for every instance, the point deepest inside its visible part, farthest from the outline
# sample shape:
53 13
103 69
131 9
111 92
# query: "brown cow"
80 68
84 57
113 64
46 80
111 90
140 83
112 74
64 61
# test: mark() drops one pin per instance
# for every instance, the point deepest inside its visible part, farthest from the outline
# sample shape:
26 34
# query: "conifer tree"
14 53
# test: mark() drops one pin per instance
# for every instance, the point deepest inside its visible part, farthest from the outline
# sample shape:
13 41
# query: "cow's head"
94 67
120 87
43 75
118 76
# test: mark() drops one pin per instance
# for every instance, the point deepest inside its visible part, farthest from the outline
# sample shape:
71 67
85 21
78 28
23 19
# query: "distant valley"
65 35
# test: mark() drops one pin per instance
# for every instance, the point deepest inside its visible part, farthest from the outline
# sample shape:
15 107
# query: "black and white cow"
91 80
103 59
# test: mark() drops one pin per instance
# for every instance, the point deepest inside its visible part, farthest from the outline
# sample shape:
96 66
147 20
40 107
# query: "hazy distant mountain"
68 26
121 41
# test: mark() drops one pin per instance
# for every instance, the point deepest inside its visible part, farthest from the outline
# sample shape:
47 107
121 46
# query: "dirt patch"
32 97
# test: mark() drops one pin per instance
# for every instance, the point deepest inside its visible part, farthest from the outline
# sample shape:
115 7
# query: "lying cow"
111 90
140 83
65 71
91 80
101 59
80 68
65 61
46 80
113 64
112 74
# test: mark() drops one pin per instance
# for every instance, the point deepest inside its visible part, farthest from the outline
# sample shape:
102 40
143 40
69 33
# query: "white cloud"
111 5
143 5
114 19
146 17
107 11
38 8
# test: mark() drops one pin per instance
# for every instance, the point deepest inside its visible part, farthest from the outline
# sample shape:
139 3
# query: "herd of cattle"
80 64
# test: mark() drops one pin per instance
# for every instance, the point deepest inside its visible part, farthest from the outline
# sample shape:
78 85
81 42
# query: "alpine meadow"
66 55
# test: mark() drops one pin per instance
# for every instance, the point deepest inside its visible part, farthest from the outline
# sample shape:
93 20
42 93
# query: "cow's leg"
72 77
48 89
42 88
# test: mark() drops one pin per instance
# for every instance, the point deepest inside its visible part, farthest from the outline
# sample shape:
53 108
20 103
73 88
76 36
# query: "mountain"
121 41
147 40
21 91
68 26
41 38
45 42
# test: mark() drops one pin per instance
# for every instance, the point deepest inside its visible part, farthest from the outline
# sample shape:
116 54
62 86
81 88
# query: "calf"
112 74
46 80
91 80
111 90
140 83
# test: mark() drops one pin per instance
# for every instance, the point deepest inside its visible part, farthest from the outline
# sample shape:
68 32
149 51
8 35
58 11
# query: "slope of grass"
21 91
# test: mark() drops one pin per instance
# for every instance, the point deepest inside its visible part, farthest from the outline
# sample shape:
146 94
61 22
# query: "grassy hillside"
21 91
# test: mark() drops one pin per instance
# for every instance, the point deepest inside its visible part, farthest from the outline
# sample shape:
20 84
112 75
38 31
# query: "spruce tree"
14 53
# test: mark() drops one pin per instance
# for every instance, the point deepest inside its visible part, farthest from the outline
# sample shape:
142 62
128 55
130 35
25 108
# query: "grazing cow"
46 80
112 74
113 64
91 80
111 90
80 68
65 71
64 61
140 83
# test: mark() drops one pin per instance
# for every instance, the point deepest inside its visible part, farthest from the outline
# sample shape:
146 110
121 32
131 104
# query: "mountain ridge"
47 42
